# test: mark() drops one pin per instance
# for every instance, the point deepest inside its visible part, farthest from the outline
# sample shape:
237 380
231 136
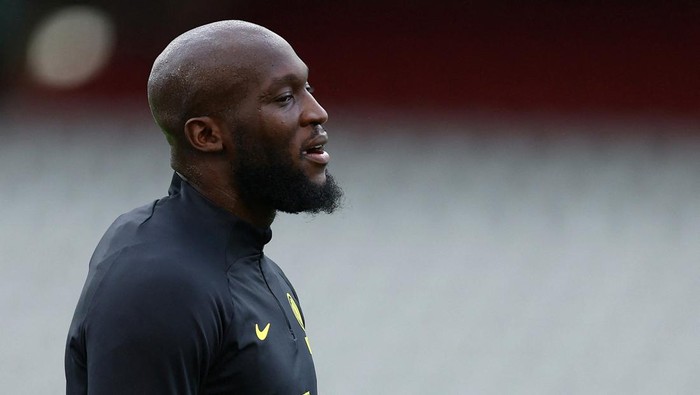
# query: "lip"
318 156
321 139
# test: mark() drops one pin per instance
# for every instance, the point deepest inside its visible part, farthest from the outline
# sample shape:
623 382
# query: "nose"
313 113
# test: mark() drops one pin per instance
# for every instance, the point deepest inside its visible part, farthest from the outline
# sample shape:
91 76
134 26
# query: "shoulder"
148 263
155 295
163 269
121 232
162 232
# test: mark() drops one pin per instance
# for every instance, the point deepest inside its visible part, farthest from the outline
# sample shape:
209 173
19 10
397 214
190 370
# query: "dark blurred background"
631 57
522 186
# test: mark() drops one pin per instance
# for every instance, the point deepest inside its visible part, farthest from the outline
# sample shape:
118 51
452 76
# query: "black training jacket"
180 299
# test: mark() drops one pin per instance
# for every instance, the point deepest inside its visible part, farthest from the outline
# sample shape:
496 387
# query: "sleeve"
150 331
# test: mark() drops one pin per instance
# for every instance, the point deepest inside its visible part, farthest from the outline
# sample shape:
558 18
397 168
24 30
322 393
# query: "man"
180 298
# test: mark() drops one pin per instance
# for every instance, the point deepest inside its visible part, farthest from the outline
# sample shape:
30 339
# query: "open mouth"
316 149
316 154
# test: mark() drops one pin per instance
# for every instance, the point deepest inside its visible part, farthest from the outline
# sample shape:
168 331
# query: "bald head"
205 72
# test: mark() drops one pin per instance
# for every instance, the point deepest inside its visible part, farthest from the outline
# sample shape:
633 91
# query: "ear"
204 134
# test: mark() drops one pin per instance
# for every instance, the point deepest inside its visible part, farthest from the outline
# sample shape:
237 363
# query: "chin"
318 179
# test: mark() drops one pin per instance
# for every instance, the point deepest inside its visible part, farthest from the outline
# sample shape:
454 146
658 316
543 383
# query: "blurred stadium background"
522 184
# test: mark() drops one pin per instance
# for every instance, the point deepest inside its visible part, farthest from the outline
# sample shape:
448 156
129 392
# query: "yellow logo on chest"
262 334
295 310
297 314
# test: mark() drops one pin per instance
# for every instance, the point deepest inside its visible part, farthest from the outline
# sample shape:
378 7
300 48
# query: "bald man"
179 297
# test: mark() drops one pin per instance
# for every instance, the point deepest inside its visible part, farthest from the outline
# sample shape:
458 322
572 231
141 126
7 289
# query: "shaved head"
205 72
236 107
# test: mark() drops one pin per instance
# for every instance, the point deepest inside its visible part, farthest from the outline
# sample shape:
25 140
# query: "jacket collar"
243 237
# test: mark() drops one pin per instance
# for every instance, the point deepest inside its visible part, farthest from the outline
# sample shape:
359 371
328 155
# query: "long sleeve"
149 331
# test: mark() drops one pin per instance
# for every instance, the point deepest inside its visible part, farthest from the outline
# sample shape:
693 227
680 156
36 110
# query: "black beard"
271 179
287 189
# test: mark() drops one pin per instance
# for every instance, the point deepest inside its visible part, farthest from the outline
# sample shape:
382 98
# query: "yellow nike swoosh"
262 334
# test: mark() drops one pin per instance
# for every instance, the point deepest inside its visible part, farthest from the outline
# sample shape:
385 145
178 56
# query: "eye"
309 88
284 99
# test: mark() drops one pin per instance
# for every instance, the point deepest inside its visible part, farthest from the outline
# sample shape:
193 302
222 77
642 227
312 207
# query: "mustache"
318 129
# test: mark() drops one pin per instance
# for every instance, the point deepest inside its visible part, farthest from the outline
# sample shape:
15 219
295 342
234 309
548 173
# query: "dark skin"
227 78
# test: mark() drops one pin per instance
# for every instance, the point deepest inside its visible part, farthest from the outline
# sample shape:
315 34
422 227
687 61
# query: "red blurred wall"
629 57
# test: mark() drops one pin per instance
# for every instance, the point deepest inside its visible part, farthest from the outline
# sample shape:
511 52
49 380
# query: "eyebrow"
285 80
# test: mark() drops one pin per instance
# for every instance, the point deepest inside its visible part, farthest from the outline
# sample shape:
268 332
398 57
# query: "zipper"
262 272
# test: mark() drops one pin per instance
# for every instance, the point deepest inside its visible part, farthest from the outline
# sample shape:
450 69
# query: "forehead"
279 66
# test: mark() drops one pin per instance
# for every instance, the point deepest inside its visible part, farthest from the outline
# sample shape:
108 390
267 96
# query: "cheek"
281 148
286 141
279 136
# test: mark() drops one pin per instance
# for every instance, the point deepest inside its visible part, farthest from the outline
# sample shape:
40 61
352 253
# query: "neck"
222 195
